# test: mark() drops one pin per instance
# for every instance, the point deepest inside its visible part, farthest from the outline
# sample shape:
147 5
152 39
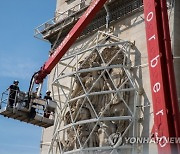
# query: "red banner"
161 74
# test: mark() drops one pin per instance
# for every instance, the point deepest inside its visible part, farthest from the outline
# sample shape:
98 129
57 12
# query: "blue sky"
20 56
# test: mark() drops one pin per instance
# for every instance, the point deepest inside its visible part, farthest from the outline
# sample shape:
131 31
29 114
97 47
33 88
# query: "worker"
13 93
47 97
36 92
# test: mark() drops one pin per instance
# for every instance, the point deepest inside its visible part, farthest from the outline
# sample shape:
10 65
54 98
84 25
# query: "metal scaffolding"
98 98
64 20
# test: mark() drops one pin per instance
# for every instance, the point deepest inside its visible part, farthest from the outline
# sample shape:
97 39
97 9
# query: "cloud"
17 67
17 146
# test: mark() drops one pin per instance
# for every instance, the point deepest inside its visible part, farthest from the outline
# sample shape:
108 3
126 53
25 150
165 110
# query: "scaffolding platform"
63 22
23 116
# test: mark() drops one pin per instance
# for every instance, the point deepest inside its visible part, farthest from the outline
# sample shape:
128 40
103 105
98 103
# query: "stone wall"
132 29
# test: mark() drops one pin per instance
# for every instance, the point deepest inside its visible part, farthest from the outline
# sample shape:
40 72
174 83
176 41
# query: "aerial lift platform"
23 116
30 112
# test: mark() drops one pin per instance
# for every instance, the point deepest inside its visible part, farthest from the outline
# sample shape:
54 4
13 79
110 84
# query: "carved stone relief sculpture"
95 98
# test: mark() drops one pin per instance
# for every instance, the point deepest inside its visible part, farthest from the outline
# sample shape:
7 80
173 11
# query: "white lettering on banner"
156 87
160 112
149 16
152 37
91 8
154 61
155 67
60 46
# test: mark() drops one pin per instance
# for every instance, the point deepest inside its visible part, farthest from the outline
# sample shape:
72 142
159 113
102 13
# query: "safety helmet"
48 91
16 81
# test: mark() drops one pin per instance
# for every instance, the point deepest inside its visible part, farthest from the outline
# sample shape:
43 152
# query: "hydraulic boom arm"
71 37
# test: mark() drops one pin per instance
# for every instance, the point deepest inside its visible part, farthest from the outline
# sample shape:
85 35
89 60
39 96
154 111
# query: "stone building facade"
102 84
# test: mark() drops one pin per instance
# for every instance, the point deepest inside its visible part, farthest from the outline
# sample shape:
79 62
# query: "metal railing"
4 99
13 96
19 103
59 17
